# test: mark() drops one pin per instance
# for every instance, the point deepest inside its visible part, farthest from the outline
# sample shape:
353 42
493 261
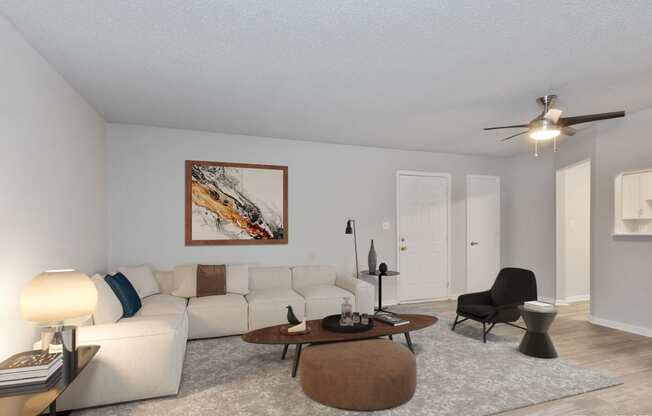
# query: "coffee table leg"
297 356
52 410
391 338
409 341
285 351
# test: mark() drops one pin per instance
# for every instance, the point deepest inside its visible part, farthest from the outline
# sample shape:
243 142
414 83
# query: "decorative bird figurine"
292 318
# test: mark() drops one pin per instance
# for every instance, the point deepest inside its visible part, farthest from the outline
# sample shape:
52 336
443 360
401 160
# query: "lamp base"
62 339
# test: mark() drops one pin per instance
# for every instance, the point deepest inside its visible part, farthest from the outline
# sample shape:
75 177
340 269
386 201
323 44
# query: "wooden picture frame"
235 203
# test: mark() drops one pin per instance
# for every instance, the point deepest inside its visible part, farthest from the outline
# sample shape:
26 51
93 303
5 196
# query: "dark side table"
536 342
380 283
35 403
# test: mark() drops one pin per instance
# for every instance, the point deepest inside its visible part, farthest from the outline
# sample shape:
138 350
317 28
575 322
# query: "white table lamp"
61 300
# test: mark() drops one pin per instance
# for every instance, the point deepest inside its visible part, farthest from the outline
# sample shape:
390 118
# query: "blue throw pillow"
125 293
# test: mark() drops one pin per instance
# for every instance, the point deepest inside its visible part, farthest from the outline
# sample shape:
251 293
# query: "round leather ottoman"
361 375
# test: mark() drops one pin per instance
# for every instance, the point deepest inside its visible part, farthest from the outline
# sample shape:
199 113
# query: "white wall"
327 184
52 210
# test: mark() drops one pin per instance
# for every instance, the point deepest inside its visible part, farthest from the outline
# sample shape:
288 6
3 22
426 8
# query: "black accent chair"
499 305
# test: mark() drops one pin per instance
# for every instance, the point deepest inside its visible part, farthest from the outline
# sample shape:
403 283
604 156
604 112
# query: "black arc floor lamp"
350 229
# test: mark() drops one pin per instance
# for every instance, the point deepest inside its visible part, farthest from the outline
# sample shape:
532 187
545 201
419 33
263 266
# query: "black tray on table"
332 323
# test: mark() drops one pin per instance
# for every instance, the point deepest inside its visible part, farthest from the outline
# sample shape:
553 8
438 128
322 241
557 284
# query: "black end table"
536 342
33 404
380 283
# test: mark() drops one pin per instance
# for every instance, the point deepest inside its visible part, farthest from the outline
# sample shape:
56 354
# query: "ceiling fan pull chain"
536 149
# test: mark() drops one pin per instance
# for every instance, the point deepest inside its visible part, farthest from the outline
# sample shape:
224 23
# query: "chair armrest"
477 298
363 291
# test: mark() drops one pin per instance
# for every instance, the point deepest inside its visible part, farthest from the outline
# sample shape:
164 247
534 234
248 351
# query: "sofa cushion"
142 279
313 275
269 278
217 316
237 278
108 308
267 307
324 300
162 305
211 280
125 293
185 280
165 280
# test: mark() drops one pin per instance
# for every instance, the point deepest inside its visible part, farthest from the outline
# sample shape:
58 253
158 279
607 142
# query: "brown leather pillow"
211 280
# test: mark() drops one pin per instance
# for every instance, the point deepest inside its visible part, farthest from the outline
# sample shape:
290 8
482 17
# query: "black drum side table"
536 342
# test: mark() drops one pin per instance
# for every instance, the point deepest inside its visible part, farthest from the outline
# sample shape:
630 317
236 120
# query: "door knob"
474 243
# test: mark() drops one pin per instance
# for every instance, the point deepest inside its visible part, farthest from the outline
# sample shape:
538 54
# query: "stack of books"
390 318
37 370
539 306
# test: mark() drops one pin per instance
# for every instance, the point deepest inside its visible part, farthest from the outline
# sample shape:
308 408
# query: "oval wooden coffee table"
318 335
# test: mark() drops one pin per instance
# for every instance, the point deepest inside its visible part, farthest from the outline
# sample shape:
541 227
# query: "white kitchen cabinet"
633 204
631 196
636 193
646 189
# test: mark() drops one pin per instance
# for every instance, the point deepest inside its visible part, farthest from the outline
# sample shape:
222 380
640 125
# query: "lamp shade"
57 298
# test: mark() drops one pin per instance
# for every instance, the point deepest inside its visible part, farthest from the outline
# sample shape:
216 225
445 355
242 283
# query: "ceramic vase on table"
372 259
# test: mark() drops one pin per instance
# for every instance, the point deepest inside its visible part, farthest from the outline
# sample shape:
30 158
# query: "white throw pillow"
237 278
142 279
108 309
185 280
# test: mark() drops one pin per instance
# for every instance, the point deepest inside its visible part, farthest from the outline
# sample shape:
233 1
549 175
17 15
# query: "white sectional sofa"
142 356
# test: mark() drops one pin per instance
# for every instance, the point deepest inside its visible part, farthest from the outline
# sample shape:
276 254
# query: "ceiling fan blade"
553 115
568 131
569 121
514 135
514 126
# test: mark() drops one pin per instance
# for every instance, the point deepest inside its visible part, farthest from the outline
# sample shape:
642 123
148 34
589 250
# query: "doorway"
423 229
573 200
482 231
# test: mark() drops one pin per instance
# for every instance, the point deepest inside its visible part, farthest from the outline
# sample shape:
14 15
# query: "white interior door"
423 205
573 233
482 231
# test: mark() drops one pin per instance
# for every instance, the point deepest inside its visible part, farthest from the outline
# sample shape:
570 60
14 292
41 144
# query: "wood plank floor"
624 356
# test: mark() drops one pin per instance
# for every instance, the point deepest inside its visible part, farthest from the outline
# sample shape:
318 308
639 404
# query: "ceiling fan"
550 124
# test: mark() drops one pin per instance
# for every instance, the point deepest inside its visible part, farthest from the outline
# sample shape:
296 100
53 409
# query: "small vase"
372 259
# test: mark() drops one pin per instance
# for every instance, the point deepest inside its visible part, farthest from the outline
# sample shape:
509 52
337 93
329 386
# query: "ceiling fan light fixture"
544 134
544 129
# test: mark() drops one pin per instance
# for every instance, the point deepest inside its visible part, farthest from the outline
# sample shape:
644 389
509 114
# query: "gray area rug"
456 375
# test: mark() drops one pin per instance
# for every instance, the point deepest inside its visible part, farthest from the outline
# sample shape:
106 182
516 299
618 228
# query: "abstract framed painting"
236 203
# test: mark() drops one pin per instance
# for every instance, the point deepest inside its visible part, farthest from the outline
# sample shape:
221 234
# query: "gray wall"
327 184
52 213
529 218
622 268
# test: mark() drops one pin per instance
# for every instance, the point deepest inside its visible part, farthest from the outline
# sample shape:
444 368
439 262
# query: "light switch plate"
386 225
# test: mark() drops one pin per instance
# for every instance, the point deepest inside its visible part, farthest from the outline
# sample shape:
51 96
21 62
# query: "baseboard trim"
407 302
567 301
579 298
639 330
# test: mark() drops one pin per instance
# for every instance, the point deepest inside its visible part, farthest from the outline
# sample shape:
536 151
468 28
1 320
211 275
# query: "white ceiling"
414 74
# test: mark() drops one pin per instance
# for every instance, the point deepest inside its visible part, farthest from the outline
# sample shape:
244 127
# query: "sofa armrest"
363 291
138 359
477 298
